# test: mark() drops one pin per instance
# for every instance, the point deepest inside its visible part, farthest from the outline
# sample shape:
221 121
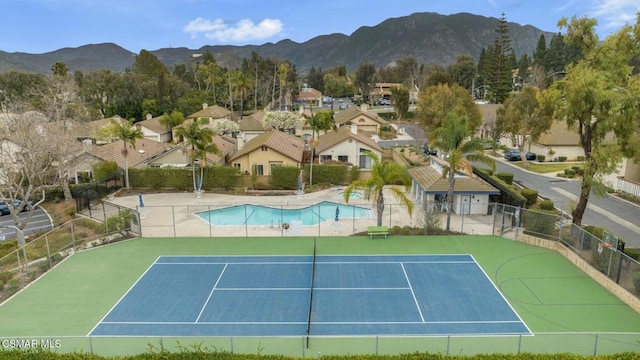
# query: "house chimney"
364 107
149 116
204 106
354 129
240 140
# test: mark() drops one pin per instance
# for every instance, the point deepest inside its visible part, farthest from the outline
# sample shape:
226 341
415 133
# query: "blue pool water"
264 215
353 195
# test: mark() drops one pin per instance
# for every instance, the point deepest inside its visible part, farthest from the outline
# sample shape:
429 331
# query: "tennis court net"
313 271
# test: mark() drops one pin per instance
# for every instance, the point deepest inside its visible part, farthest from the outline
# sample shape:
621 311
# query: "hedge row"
215 177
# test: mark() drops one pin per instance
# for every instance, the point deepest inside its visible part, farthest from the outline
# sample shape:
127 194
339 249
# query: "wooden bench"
377 231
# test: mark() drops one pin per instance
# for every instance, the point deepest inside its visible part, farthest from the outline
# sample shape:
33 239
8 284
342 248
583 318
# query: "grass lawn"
546 167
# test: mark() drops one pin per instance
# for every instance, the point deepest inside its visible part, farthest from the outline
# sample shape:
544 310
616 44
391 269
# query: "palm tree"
202 149
194 137
382 173
452 138
128 134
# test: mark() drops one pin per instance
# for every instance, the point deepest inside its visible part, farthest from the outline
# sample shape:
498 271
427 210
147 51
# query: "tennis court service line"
211 292
123 296
412 292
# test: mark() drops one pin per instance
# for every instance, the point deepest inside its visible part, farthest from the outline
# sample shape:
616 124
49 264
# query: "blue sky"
38 26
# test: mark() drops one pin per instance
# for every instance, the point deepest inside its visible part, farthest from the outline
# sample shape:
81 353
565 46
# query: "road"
618 216
39 222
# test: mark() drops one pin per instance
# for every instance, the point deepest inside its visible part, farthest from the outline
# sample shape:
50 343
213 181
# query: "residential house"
178 156
430 188
310 96
86 131
628 179
208 113
152 129
370 123
250 127
557 141
138 156
381 91
346 145
262 153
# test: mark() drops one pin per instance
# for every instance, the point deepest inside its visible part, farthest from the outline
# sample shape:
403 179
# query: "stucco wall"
264 158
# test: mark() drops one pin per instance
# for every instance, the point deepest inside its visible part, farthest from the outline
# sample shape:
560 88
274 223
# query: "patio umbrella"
337 213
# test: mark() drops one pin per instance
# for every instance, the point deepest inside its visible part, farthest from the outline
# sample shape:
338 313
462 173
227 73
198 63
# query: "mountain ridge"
430 37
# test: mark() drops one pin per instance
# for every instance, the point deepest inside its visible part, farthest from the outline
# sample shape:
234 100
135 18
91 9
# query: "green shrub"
575 168
562 158
569 172
531 196
541 158
546 205
284 177
506 177
580 171
354 173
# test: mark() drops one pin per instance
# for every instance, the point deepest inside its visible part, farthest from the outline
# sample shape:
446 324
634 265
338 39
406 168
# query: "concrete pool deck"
175 215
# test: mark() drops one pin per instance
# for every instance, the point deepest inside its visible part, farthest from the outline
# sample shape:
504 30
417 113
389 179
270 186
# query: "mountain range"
429 37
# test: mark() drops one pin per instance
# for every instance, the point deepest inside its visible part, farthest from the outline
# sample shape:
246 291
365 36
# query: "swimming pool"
353 195
264 215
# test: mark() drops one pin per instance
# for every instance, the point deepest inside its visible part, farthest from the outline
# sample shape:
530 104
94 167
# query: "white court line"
263 289
502 296
211 293
366 289
304 322
123 296
238 263
412 293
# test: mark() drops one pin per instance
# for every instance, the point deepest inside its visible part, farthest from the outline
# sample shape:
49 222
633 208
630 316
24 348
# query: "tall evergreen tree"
541 50
501 63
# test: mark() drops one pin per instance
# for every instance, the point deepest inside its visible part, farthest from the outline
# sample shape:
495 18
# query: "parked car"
4 207
514 155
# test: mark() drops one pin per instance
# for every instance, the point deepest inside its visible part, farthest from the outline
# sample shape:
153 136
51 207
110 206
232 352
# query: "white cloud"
241 31
615 13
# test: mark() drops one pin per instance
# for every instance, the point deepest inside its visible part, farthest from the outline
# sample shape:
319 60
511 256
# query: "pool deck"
164 210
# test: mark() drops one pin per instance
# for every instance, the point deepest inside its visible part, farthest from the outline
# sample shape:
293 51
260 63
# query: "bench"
377 231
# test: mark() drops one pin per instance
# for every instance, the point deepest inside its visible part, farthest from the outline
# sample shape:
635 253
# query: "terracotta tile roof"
288 145
309 94
144 150
432 182
87 129
350 113
154 125
226 144
213 112
344 133
252 122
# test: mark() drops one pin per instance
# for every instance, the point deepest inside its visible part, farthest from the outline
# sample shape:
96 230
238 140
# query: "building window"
258 169
324 158
365 161
343 158
263 148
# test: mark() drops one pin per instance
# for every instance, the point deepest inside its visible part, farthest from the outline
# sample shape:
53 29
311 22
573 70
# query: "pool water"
265 215
353 195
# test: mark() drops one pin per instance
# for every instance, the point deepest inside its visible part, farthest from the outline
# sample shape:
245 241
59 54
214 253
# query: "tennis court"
308 295
361 302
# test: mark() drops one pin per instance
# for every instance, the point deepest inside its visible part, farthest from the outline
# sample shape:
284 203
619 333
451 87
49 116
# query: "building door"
465 208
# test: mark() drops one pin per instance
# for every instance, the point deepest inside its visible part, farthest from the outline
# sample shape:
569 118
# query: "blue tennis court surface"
348 296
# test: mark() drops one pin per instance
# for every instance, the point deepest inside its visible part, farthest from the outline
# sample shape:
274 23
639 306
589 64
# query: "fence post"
46 241
73 236
173 220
